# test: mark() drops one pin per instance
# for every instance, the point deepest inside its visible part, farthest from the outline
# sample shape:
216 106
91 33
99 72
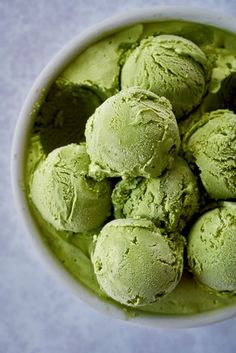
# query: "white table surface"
36 313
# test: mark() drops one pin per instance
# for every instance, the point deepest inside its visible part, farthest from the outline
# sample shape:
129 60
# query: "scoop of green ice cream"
135 263
210 142
211 248
65 196
133 133
169 200
170 66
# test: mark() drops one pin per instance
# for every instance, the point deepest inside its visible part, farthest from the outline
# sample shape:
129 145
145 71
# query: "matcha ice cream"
65 196
211 248
210 142
98 67
169 200
63 114
129 142
135 263
170 66
133 133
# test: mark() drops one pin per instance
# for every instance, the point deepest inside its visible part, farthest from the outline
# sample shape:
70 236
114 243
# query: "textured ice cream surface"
211 248
35 156
170 66
223 62
222 85
135 263
62 117
99 65
224 98
64 194
169 200
134 133
92 77
210 142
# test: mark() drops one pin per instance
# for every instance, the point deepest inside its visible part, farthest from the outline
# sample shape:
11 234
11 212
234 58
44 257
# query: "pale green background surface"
36 313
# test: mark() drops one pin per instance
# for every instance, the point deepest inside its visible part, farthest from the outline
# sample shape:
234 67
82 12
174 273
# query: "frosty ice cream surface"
131 168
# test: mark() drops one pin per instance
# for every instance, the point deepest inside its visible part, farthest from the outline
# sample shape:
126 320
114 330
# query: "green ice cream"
65 196
169 200
62 117
170 66
223 78
134 133
93 76
98 67
222 85
211 248
73 253
135 263
223 62
210 142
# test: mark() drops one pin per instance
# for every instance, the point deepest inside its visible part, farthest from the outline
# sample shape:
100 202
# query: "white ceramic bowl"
24 125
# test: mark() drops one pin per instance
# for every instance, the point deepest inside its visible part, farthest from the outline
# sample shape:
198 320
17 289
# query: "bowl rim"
24 124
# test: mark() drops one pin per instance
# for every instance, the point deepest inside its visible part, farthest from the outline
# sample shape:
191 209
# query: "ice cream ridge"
131 168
